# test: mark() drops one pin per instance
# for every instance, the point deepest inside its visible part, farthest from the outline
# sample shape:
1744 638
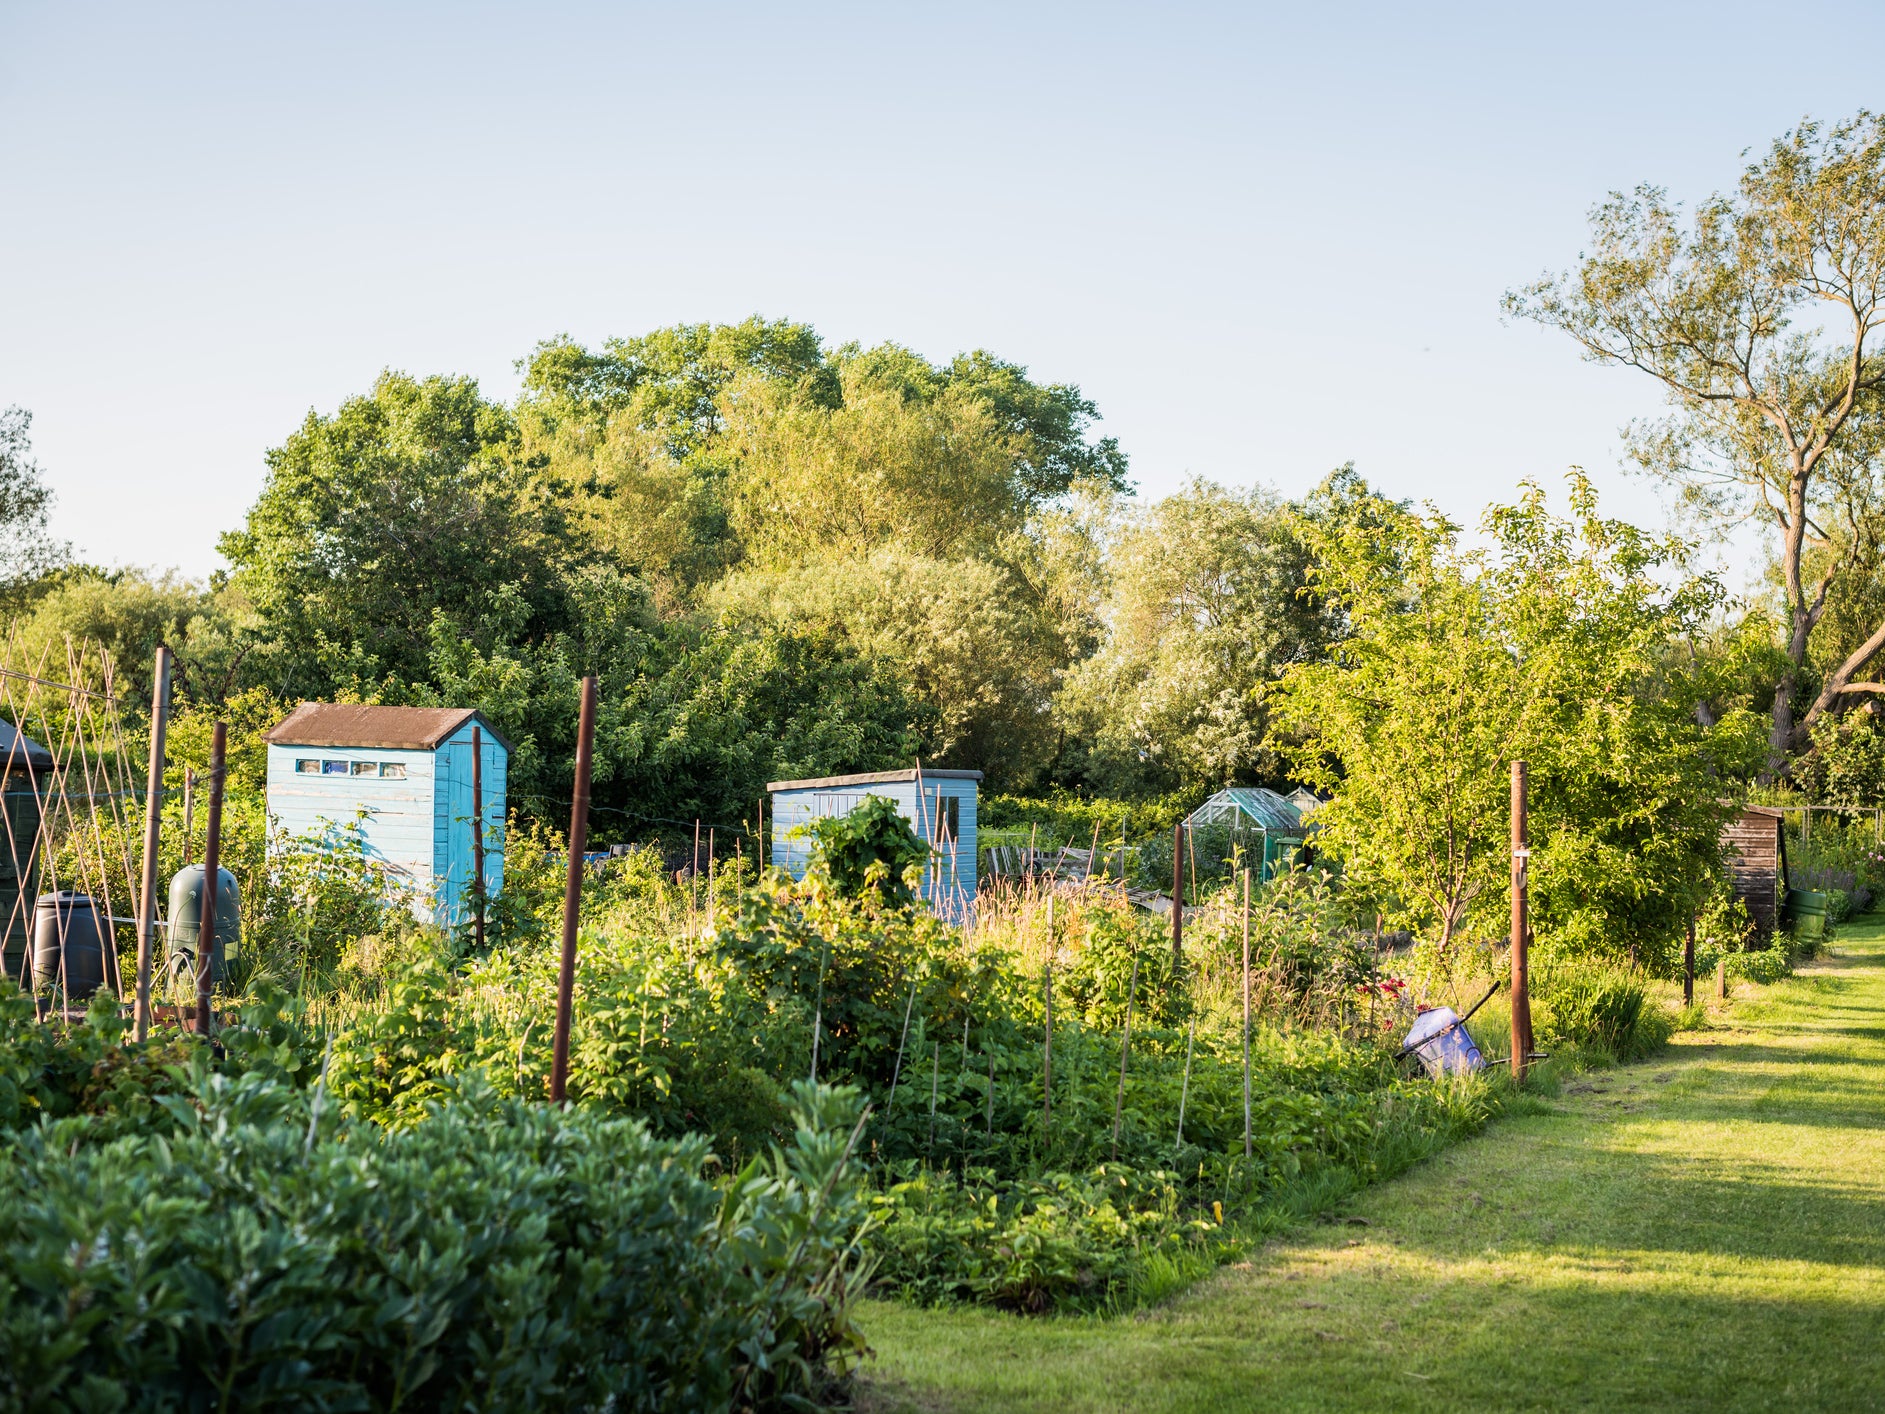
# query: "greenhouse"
1251 823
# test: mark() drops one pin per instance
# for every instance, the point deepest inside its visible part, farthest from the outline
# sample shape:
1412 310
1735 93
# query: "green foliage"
1210 599
1597 1007
253 1249
1772 392
1066 819
27 557
1555 648
1846 762
871 850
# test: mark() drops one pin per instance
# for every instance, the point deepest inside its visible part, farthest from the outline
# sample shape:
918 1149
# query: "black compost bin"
71 934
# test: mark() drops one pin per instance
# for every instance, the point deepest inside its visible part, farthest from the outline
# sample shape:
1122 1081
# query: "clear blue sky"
1267 240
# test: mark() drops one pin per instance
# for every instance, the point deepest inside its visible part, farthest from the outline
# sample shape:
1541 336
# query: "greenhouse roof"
1252 807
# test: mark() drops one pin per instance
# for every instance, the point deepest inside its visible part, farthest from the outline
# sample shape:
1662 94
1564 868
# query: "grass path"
1703 1231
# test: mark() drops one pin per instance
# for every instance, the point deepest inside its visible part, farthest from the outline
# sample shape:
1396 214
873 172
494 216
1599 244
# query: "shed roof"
19 752
1253 805
357 724
871 778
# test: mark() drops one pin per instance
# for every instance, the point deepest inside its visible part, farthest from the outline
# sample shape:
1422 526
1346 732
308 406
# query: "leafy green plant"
872 849
257 1249
1598 1007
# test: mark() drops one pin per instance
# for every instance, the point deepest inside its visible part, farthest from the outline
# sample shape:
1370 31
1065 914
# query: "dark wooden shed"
1757 859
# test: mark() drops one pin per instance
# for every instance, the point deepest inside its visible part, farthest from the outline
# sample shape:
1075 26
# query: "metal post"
1246 1012
153 826
1125 1048
1178 897
1521 994
573 890
212 868
1688 967
477 837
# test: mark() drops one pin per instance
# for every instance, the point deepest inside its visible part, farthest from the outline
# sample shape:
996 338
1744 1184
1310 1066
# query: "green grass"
1703 1231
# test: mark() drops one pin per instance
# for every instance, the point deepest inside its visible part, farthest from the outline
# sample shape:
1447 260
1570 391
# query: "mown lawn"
1703 1231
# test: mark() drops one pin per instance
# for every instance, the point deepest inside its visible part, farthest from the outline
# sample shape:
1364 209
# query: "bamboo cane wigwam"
71 802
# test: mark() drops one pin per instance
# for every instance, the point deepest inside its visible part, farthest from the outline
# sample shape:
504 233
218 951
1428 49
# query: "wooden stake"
1047 1034
1178 898
1246 1011
1184 1090
1125 1047
153 827
1688 967
212 868
935 1074
1721 979
477 838
573 891
189 815
1521 994
897 1072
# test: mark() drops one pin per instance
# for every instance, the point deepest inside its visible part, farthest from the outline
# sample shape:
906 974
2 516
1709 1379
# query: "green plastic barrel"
186 922
1808 907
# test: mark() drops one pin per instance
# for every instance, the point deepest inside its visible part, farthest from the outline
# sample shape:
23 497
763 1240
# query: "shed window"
334 768
394 769
949 822
308 766
366 768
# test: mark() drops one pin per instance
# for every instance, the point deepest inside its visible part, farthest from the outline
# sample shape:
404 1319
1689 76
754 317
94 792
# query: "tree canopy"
1760 317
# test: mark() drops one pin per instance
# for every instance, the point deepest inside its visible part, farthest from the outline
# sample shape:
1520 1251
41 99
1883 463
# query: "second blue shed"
405 774
940 805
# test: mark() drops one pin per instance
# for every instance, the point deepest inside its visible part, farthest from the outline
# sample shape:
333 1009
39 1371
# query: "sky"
1265 240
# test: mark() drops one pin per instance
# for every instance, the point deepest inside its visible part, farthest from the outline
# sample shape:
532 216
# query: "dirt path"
1704 1231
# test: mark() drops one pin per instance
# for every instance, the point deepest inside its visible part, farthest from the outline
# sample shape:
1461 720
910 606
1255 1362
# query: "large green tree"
1760 316
28 555
1208 601
409 503
1562 644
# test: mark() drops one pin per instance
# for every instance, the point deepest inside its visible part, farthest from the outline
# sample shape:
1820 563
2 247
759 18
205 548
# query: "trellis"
71 799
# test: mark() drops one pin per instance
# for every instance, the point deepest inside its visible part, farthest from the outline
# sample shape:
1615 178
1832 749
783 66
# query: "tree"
1410 723
1560 645
27 556
1760 321
411 502
1207 604
964 636
697 448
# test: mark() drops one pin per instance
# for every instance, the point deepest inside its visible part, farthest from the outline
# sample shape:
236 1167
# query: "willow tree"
1760 317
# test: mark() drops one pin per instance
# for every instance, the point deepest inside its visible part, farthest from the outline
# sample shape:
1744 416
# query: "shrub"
254 1251
1598 1008
1764 966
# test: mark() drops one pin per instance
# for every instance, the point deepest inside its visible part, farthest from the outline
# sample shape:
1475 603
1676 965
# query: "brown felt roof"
354 724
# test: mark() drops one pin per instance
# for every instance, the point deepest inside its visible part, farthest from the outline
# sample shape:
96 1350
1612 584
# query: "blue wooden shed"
405 774
940 806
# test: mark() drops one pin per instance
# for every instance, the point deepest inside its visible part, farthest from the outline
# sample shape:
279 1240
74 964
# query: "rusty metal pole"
1521 994
1178 897
477 837
153 826
212 867
1688 966
573 891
